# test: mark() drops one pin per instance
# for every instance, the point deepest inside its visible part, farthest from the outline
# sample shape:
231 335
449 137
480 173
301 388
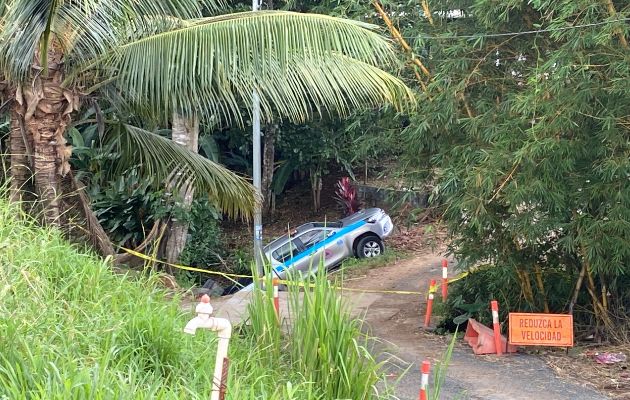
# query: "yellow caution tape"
341 288
184 267
230 277
459 277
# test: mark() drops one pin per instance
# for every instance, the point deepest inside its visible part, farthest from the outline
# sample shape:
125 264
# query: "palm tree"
160 58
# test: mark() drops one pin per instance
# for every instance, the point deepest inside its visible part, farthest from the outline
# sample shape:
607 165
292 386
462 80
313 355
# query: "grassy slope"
70 329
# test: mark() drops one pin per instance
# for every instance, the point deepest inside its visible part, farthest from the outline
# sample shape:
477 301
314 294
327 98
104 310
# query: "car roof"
358 216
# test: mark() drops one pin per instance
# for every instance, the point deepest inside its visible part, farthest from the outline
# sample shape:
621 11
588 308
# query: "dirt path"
395 319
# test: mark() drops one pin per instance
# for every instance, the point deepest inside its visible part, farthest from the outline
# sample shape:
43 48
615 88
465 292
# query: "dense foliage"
528 137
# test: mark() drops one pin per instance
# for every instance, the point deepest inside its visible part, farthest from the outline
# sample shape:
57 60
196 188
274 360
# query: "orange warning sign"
541 329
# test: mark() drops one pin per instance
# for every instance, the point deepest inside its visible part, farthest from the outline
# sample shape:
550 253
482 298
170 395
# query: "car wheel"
370 246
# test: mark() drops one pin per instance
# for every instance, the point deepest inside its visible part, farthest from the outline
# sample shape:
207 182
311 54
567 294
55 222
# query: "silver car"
306 247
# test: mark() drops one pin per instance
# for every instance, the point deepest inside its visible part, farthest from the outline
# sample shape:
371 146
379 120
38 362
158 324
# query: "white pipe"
224 331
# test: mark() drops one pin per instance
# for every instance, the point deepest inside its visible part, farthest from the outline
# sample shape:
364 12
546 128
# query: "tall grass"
71 329
321 342
328 346
439 372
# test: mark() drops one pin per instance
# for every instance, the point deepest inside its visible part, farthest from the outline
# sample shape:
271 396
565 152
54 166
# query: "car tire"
369 247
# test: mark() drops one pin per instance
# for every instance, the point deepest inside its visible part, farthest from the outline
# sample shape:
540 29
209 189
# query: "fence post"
276 298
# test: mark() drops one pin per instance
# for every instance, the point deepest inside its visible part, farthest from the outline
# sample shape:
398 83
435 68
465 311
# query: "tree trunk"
45 108
186 133
21 154
316 187
268 166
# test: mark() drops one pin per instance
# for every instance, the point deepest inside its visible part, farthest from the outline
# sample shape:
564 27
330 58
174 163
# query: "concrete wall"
372 196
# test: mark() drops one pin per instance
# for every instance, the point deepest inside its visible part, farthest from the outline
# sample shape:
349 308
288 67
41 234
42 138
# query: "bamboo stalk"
396 34
419 78
541 286
427 12
526 286
528 281
604 293
578 286
597 305
469 110
613 13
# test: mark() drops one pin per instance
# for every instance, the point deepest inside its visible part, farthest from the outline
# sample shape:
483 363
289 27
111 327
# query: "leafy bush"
127 207
527 138
518 291
204 245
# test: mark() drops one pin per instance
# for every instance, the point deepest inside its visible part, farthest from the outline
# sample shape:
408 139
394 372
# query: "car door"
313 245
337 248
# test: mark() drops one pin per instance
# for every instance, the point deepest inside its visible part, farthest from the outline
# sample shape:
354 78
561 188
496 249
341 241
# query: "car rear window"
311 238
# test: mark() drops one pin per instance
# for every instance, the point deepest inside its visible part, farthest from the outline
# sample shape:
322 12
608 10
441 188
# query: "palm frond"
213 65
157 157
24 24
3 10
85 29
335 84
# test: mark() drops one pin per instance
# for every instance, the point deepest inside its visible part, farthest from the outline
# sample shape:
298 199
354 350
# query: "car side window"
286 251
311 238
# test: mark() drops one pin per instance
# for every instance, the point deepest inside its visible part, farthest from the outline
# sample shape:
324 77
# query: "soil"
396 321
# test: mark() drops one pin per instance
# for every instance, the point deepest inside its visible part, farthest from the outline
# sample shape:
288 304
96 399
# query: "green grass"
354 266
71 329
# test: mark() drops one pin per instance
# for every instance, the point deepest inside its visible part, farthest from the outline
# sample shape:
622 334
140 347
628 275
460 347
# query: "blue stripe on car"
337 235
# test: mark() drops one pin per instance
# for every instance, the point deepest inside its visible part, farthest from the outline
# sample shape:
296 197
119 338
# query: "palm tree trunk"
45 108
186 133
268 165
20 148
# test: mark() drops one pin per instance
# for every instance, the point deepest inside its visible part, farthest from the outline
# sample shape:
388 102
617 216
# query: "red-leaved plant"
346 196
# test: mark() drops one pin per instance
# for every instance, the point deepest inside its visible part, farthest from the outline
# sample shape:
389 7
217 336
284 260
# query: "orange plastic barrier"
481 339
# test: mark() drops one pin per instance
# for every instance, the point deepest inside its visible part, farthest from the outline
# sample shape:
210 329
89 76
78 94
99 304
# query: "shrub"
346 196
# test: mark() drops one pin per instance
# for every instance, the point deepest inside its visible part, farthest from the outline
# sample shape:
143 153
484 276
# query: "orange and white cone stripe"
424 380
494 305
276 298
444 279
427 316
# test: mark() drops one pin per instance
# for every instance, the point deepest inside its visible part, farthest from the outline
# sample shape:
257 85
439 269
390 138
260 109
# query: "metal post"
258 255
